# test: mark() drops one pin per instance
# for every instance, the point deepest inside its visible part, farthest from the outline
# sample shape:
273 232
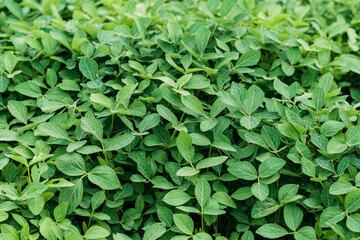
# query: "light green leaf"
18 110
10 62
193 104
102 100
249 58
29 89
282 88
54 130
243 170
254 97
202 192
293 216
341 187
118 142
331 127
353 222
260 191
201 39
211 162
353 135
96 232
305 233
176 198
71 164
271 231
149 122
105 177
92 126
270 166
154 231
331 215
184 223
88 68
319 98
352 201
250 122
225 199
167 114
185 147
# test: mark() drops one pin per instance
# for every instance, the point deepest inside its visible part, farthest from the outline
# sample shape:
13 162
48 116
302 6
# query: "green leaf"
242 193
211 162
308 167
102 100
10 62
73 195
71 164
341 187
105 177
54 130
250 122
29 89
353 222
260 191
92 126
243 170
96 232
197 82
202 192
118 142
202 236
319 98
305 233
254 97
353 135
224 198
331 127
249 58
271 231
282 88
193 104
184 223
51 78
187 171
336 145
352 201
201 39
167 114
326 82
185 147
4 83
60 211
293 54
293 216
227 6
88 68
121 236
61 38
18 110
154 231
97 199
270 166
264 208
288 130
176 198
330 216
287 69
149 122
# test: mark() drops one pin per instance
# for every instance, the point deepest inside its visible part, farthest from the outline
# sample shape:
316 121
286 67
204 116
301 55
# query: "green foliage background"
233 119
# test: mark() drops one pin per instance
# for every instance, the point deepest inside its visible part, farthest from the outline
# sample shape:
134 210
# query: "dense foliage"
233 119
